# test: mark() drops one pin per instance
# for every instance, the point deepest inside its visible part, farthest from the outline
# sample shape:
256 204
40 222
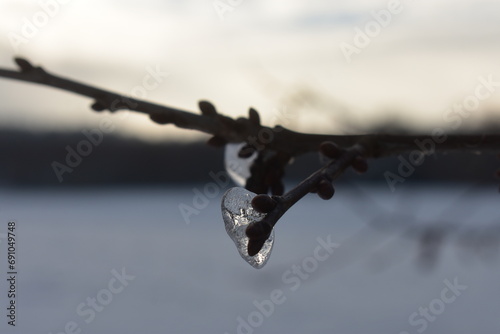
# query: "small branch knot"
24 65
207 108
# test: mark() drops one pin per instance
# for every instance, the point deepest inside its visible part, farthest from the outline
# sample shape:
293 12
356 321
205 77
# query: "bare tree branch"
244 129
345 151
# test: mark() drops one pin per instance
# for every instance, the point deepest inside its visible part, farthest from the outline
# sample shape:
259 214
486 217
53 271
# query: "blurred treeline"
26 159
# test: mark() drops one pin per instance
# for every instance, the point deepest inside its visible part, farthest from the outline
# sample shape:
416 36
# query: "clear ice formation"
237 168
237 212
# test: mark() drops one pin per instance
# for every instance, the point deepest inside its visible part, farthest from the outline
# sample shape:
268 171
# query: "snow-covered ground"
125 261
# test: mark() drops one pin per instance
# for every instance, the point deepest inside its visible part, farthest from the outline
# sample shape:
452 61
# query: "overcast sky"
283 57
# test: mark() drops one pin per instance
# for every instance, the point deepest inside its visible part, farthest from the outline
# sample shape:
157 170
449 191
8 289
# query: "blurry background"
120 207
265 54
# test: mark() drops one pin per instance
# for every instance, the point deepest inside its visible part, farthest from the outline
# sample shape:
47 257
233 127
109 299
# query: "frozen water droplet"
237 168
237 212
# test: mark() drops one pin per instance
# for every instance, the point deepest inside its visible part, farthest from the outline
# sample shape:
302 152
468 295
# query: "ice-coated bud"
254 246
238 214
258 230
263 203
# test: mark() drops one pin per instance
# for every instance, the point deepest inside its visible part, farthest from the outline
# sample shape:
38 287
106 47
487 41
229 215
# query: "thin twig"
258 232
331 171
